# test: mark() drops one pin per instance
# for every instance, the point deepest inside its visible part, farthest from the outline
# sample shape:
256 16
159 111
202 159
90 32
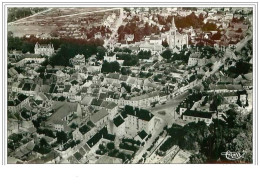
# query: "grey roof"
99 115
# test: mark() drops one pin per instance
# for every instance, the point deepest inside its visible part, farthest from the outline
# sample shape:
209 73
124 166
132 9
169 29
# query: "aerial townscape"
129 85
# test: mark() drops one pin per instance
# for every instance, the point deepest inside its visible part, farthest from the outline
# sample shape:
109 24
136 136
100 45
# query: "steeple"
173 23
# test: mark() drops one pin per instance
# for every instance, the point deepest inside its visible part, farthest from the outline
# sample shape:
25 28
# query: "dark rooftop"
200 114
118 120
138 112
84 129
142 134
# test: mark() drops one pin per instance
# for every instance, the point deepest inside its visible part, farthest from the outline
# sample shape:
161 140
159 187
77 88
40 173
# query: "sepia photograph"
129 84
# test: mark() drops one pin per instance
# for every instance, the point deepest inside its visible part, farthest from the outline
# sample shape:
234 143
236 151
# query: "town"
130 85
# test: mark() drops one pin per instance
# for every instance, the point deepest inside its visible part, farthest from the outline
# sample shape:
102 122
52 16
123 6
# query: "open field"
56 18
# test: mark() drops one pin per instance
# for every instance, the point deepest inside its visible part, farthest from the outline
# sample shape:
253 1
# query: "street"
158 129
114 30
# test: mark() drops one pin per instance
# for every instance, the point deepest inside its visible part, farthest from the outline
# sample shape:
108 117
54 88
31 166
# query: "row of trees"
27 44
193 21
182 55
137 31
188 21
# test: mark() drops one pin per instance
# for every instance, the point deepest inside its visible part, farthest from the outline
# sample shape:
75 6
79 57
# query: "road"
158 129
114 30
172 102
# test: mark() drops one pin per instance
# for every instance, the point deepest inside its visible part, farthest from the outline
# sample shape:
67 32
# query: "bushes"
117 154
144 54
110 146
125 140
128 147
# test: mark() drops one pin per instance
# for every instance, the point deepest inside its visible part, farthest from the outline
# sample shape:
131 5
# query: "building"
176 39
99 118
111 57
196 116
44 49
137 119
119 126
195 59
64 113
129 37
78 61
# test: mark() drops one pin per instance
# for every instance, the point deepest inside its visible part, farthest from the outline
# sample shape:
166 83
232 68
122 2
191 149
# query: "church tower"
172 35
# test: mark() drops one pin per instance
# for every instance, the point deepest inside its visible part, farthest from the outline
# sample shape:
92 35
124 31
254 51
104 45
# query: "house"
78 61
111 57
138 119
64 113
30 89
153 48
61 76
119 126
129 37
196 116
84 132
234 97
98 35
44 49
141 136
24 151
155 39
145 100
194 59
99 118
18 103
111 108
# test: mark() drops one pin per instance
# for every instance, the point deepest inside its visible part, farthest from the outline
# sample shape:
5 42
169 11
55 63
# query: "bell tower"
172 35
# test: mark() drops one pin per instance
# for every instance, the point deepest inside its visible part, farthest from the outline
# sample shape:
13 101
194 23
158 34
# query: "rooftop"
118 120
201 114
138 112
99 115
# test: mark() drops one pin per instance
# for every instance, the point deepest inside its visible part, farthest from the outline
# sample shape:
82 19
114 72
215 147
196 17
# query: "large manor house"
44 49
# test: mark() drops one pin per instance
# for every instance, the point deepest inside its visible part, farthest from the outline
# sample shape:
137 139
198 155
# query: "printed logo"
233 155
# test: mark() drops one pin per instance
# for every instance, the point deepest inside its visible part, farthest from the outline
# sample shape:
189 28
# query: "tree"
198 159
132 61
27 47
101 51
144 54
216 36
61 137
110 146
217 100
125 71
110 67
43 143
209 27
167 54
62 98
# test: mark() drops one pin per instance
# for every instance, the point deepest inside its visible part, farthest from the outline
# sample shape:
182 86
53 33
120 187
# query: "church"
44 49
175 39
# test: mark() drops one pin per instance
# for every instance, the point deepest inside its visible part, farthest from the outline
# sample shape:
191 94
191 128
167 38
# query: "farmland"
60 19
